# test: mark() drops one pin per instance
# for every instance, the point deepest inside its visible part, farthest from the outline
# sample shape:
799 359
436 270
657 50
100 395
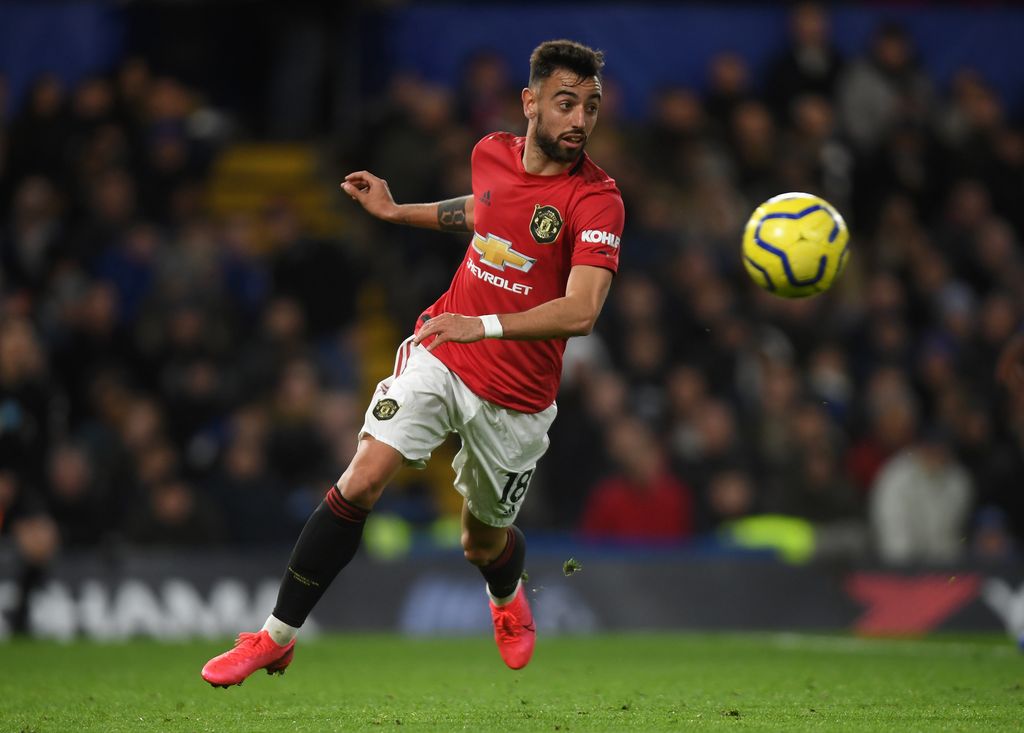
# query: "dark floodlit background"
192 317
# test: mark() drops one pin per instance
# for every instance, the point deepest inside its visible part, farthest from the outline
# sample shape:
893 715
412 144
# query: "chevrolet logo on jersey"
498 253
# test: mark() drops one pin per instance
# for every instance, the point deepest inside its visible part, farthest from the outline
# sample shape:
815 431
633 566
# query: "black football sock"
327 543
503 573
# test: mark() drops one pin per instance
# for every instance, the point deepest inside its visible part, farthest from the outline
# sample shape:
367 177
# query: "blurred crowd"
169 376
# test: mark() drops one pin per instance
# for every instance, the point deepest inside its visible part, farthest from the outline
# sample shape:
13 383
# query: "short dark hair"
581 60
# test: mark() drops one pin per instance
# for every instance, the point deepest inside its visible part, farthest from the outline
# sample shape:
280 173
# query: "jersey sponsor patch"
545 224
498 280
498 253
385 409
596 236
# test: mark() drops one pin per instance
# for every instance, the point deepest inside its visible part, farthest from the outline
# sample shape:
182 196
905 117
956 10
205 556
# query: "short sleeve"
597 230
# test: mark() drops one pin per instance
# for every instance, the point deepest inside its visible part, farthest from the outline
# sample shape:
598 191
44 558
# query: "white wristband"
492 326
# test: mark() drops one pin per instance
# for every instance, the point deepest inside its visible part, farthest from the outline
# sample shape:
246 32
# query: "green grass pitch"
643 682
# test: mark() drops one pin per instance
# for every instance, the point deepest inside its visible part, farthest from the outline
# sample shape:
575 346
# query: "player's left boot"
251 652
514 630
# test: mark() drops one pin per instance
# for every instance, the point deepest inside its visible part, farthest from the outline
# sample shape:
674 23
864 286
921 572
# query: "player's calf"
503 572
514 630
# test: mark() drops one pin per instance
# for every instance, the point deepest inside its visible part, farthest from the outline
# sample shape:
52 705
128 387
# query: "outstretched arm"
373 194
574 314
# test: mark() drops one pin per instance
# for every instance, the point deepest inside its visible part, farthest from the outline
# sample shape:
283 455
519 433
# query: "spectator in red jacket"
642 500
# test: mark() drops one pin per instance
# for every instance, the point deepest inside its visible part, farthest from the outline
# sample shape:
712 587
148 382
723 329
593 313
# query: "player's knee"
477 552
477 556
362 489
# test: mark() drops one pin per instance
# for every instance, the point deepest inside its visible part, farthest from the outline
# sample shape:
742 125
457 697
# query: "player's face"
566 110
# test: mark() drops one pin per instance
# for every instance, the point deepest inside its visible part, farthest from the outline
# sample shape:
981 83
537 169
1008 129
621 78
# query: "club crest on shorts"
385 409
545 224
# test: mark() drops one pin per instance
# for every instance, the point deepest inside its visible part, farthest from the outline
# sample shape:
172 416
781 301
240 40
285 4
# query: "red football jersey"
529 231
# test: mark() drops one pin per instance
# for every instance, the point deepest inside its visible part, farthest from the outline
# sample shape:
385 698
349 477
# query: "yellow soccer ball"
795 245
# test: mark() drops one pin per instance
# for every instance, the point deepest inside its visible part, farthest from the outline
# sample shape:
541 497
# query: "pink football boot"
250 653
514 630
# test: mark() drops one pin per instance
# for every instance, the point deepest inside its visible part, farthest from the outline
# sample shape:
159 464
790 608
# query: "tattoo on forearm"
451 215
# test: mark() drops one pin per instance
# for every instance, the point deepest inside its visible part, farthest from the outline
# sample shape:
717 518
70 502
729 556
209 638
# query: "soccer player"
485 359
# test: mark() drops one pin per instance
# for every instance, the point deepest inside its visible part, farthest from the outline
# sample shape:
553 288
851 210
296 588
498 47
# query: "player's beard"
550 146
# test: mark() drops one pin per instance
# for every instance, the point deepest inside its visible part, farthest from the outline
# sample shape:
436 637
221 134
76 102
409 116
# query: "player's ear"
529 103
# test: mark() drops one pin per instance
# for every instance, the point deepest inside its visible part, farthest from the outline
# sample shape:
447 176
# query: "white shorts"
416 408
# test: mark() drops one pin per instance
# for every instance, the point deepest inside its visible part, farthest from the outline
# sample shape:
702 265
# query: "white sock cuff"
279 631
507 599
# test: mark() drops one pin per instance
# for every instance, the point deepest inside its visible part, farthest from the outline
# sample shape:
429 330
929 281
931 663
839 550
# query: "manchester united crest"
545 224
385 409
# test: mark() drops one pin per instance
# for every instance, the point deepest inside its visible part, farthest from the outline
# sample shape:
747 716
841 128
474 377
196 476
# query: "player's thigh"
499 455
411 412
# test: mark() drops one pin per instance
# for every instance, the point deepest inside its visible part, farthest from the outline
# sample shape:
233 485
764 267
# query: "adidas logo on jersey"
485 199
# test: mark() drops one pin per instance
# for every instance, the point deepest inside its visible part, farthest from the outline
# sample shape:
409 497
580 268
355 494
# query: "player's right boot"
251 652
514 630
